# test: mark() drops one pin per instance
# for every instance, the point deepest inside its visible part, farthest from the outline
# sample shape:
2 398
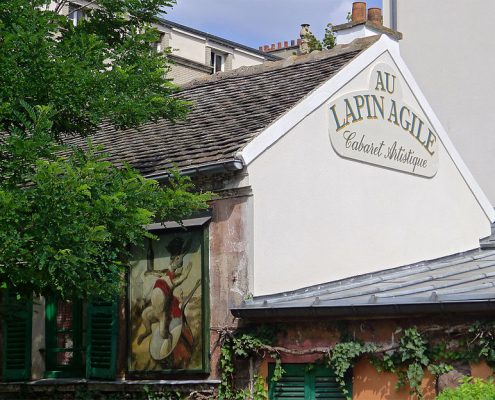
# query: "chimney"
358 12
375 16
304 33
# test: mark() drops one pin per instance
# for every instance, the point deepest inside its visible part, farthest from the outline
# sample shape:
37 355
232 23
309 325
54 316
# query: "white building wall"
242 59
448 45
319 217
188 46
346 36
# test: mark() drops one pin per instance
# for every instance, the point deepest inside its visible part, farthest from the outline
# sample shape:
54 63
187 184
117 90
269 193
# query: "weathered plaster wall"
229 264
367 383
319 217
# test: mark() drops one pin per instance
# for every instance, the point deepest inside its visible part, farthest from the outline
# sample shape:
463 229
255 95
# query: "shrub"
470 389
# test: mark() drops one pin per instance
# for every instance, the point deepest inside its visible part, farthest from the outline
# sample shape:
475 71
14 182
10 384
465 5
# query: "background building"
194 54
448 46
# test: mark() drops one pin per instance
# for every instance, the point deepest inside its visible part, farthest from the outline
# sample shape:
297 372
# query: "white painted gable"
343 186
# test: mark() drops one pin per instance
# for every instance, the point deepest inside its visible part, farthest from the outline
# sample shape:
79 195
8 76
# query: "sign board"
377 126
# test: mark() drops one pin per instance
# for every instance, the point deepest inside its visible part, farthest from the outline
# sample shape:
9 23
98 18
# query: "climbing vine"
415 352
256 343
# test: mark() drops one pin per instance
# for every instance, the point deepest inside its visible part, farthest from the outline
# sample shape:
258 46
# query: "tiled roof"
228 110
453 282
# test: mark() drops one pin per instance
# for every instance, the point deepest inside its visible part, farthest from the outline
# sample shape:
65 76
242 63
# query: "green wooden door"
17 324
305 382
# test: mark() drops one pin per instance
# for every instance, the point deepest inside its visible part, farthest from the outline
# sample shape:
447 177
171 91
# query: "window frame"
76 369
76 14
213 61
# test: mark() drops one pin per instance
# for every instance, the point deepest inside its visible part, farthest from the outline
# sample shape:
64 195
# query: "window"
68 352
76 13
80 338
305 382
63 329
158 44
217 62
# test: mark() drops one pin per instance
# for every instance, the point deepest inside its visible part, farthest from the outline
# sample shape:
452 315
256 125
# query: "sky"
258 22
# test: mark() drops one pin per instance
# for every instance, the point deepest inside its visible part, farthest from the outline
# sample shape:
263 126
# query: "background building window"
217 62
158 45
76 13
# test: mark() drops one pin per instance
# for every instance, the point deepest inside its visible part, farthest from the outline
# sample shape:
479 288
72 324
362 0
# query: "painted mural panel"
167 304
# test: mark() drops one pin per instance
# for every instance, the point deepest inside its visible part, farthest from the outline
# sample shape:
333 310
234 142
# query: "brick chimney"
358 12
375 16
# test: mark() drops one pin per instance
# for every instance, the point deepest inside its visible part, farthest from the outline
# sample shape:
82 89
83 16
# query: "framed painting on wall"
168 310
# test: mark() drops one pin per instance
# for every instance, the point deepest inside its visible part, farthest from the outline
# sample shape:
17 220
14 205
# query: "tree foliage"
470 389
102 69
67 216
328 42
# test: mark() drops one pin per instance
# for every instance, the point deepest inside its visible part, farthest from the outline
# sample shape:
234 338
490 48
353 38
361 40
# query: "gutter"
216 168
372 311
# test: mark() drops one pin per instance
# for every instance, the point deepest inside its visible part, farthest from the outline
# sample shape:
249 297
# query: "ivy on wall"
432 349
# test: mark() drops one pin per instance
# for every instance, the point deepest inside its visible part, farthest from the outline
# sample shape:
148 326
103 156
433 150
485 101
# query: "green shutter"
325 385
101 355
17 338
305 382
292 385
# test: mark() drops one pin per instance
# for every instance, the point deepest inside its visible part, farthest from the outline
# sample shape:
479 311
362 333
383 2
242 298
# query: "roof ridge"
356 45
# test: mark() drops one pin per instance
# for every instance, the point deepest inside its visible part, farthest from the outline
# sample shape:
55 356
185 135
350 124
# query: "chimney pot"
266 47
299 42
375 16
273 46
279 45
261 48
286 44
292 42
358 11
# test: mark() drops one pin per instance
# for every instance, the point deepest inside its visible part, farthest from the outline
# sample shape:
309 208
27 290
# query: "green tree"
67 216
328 42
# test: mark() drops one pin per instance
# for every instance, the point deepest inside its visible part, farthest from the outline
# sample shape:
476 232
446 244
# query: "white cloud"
258 22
